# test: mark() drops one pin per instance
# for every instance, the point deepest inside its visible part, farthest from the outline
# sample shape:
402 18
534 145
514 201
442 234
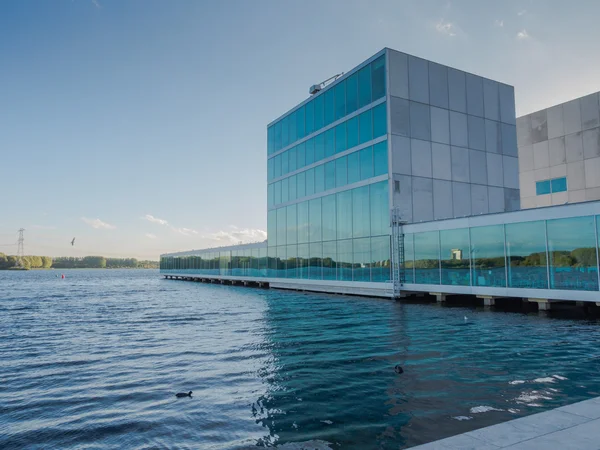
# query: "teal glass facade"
543 254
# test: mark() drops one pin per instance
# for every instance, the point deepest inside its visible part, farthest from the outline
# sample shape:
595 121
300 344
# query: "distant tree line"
64 262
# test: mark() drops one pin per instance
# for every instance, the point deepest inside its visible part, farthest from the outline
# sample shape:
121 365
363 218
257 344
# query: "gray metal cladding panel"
401 160
420 121
507 104
461 199
509 140
512 200
493 137
457 90
491 100
556 151
556 126
440 125
495 170
458 129
495 199
590 111
479 199
539 126
541 156
478 167
438 85
398 74
441 161
591 143
442 199
572 116
460 164
403 197
418 79
400 116
476 131
474 95
422 199
421 158
574 147
511 172
524 136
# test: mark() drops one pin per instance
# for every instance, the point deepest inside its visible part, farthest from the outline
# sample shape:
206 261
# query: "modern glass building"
439 146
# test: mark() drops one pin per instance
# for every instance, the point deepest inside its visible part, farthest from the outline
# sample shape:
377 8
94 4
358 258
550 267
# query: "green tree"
46 262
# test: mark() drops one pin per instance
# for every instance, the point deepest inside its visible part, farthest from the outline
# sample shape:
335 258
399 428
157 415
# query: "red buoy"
63 276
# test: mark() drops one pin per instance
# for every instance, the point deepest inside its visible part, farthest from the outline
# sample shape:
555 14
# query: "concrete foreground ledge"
575 426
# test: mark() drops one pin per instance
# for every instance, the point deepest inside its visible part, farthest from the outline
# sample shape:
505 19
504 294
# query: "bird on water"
183 394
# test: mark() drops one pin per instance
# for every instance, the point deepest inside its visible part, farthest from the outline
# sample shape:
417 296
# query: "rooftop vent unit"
317 87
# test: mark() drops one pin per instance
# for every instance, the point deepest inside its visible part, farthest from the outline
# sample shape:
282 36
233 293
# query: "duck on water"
183 394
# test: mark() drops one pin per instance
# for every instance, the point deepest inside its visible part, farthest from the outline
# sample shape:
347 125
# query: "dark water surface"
93 361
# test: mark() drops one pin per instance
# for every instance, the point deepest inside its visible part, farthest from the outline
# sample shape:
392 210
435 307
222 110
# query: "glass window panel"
352 132
270 193
409 259
378 78
300 123
341 171
353 168
272 226
285 132
344 214
340 137
309 152
319 112
314 214
281 226
340 100
329 260
278 137
309 117
344 262
270 168
454 245
364 86
302 261
292 230
301 185
572 253
427 254
292 159
361 249
379 120
366 163
380 214
329 143
380 158
361 218
285 162
292 189
526 253
277 166
292 125
319 179
300 155
380 259
285 190
487 256
315 266
310 182
352 93
329 218
329 175
272 261
542 187
329 98
559 185
319 147
365 127
277 193
303 224
281 261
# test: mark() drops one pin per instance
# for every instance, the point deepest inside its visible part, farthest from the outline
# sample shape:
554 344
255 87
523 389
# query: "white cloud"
237 235
150 236
151 218
184 231
447 28
499 23
97 223
522 12
522 35
96 4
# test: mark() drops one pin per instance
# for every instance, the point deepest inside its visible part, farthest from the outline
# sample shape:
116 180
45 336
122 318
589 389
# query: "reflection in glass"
310 181
487 255
303 225
526 254
340 137
292 232
302 261
361 217
319 179
364 86
352 132
329 217
362 259
427 258
380 259
291 262
329 260
353 168
281 226
344 261
380 159
380 213
340 100
315 233
341 171
366 163
572 252
329 175
409 258
365 127
316 261
454 246
344 214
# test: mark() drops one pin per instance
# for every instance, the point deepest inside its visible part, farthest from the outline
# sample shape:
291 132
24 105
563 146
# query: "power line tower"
20 248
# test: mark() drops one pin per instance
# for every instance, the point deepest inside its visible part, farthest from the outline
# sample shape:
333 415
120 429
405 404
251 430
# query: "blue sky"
140 127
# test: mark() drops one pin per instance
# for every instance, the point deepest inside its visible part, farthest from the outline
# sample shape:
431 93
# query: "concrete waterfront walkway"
575 426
